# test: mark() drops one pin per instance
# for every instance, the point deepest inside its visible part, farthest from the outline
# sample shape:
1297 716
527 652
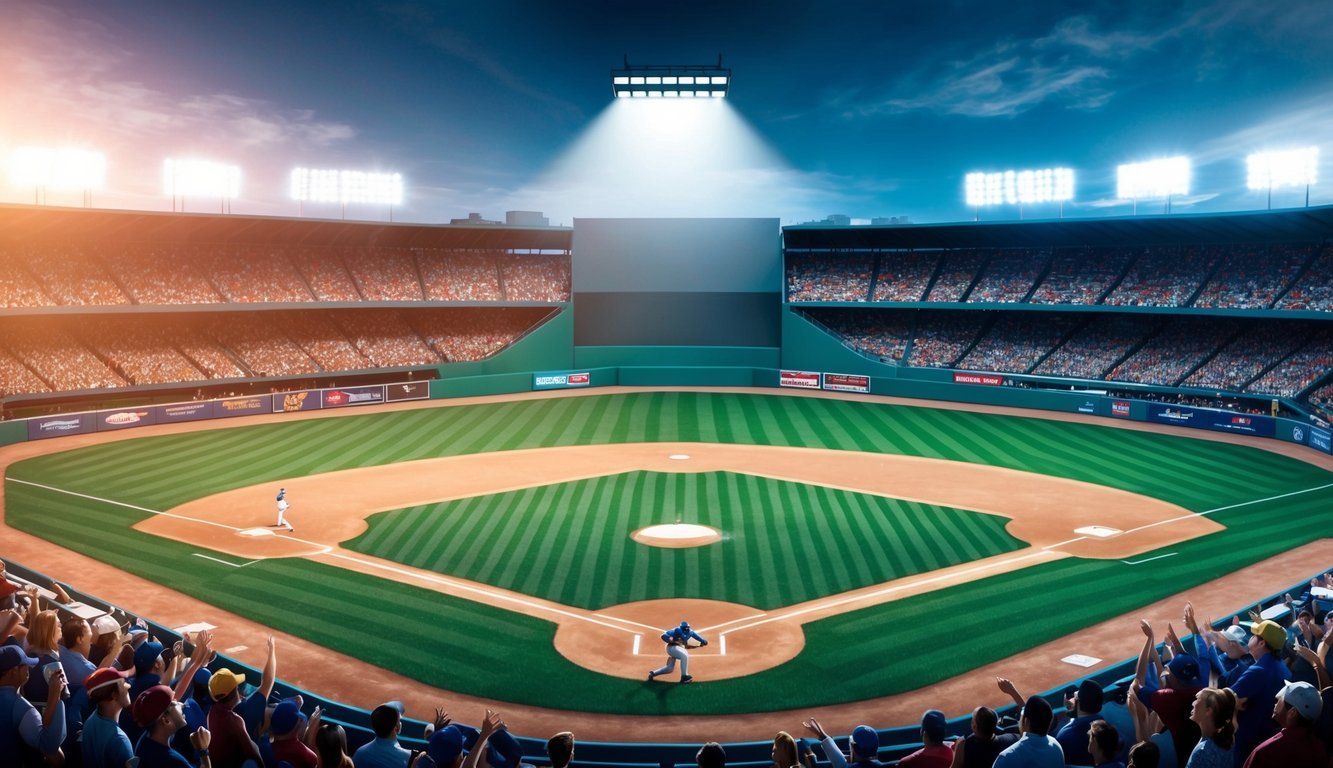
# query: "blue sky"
860 108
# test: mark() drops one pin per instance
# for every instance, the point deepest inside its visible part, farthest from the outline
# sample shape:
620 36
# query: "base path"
1056 517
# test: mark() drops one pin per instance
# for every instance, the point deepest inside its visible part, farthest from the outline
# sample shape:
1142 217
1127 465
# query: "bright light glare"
200 178
622 94
620 80
57 169
331 186
1288 168
1036 186
1154 178
719 81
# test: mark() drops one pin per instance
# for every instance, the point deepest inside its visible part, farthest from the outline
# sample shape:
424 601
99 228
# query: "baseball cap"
684 625
12 656
1185 668
1272 633
151 704
103 677
285 718
445 746
1236 633
1090 696
223 682
502 749
1303 698
145 656
866 741
105 625
934 724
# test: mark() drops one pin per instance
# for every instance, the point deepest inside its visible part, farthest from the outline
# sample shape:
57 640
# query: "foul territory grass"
510 656
783 542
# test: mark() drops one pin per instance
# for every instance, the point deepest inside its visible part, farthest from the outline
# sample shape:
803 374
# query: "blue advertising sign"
169 414
64 424
242 406
341 398
1207 418
289 402
125 418
564 380
1321 439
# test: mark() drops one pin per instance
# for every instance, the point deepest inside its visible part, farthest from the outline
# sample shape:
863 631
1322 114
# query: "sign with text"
846 382
1206 418
412 390
799 379
989 379
561 379
341 398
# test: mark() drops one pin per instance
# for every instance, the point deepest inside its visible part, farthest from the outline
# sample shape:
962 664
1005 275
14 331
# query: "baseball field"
490 548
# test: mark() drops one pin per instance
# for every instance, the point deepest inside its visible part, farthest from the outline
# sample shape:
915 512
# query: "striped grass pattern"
784 542
509 656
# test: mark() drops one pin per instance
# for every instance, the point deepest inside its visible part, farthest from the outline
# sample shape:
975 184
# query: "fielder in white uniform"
678 645
282 511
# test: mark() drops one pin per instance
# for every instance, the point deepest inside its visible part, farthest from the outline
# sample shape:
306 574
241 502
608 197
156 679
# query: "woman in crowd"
1214 711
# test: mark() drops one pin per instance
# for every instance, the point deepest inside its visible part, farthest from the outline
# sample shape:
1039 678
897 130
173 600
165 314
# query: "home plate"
1100 531
256 532
679 456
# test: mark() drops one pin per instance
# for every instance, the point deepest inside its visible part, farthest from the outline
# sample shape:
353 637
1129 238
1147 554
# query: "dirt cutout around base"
1046 512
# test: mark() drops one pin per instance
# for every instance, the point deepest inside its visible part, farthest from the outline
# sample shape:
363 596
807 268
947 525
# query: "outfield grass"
510 656
784 542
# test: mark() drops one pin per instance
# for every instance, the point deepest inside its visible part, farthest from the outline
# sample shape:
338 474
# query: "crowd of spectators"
905 276
1300 369
1099 344
52 352
143 353
941 341
1009 276
1164 277
1313 289
829 278
1251 277
1016 341
1322 399
465 335
1245 357
386 340
1082 275
107 274
1175 350
957 271
883 335
1249 691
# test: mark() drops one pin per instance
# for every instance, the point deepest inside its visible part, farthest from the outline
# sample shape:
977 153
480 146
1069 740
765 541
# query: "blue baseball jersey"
682 636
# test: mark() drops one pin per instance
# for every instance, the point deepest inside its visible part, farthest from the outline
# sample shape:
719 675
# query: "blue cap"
1184 668
445 746
866 741
145 656
285 718
12 656
934 724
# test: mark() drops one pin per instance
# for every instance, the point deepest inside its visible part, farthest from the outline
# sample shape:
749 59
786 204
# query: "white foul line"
1229 506
733 621
626 621
722 644
1149 560
224 562
637 638
127 506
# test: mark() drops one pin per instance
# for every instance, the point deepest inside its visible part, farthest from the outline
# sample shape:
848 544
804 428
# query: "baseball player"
677 641
282 511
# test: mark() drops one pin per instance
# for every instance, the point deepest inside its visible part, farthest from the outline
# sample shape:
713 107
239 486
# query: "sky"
867 109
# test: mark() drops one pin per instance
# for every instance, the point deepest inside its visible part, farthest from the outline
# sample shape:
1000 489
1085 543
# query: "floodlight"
334 186
1043 185
57 169
200 178
1153 178
674 80
1286 168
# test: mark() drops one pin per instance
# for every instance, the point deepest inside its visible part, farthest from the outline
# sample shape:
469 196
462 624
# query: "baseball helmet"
684 625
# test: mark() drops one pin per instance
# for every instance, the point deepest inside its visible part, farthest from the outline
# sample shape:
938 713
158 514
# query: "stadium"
876 467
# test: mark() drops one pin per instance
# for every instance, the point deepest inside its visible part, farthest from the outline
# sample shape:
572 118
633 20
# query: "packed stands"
1095 347
450 276
1313 289
1016 341
534 277
324 272
1251 277
1082 275
15 377
51 352
883 335
1244 358
941 341
253 274
958 270
1300 369
74 276
829 278
1164 277
905 276
1008 276
384 274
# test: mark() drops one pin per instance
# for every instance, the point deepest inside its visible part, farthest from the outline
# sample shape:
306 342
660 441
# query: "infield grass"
510 656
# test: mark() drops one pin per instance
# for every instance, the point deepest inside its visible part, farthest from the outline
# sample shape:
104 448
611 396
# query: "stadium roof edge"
20 222
1299 224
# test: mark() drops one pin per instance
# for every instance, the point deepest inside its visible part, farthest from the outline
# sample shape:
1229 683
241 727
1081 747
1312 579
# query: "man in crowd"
159 715
386 721
862 745
104 744
26 730
1036 749
1257 687
1295 711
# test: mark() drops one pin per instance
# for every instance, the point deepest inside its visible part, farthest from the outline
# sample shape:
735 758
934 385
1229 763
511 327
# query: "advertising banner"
989 379
846 382
65 424
1088 406
412 390
290 402
341 398
242 406
125 418
799 379
1321 439
170 414
1204 418
1120 408
561 379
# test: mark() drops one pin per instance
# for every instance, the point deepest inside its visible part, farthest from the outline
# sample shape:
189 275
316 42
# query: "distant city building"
475 219
883 221
526 219
837 220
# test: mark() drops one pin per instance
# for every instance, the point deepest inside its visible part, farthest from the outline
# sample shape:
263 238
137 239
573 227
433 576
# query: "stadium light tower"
187 178
671 81
59 169
1045 185
343 187
1286 168
1153 179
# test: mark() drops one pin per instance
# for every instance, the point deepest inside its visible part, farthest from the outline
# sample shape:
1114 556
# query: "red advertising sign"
1120 408
989 379
579 379
846 382
799 379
